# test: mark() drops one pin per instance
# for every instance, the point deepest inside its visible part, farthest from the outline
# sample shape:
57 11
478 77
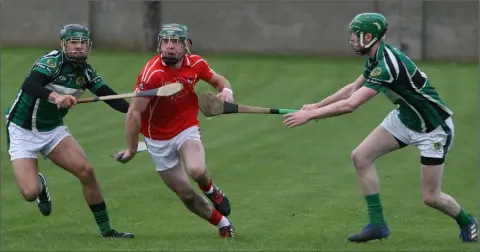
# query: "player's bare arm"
345 106
219 82
341 94
132 127
222 85
341 107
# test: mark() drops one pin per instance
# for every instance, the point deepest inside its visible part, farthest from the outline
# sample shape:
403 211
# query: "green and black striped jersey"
65 78
393 73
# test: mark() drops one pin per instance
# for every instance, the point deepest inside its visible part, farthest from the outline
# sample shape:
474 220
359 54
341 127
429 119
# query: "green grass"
290 189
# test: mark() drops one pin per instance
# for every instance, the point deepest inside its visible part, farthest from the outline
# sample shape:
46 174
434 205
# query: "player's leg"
433 148
176 179
378 143
65 152
23 146
167 163
193 155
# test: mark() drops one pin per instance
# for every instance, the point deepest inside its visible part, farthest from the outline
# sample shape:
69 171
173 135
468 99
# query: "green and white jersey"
65 78
393 73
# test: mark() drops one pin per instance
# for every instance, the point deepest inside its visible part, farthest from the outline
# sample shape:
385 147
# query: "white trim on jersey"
34 115
392 58
15 102
428 97
146 70
396 67
146 76
198 61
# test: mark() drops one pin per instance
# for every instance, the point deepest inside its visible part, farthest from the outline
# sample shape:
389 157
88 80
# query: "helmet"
80 42
173 33
364 23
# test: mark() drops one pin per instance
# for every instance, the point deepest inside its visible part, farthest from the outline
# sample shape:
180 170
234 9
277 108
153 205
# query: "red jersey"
166 117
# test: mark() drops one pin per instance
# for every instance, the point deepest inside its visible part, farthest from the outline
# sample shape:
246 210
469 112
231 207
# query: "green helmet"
364 23
76 42
174 34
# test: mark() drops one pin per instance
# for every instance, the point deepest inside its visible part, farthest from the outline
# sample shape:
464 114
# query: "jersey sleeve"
47 66
95 81
206 73
379 78
367 70
139 86
145 80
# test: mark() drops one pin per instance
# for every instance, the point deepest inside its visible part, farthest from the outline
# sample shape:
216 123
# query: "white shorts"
165 153
23 143
434 144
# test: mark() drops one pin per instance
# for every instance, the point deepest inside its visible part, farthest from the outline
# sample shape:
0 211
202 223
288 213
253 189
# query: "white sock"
223 222
210 191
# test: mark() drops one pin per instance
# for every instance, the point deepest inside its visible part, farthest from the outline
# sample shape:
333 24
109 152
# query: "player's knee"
430 199
186 195
30 193
359 159
86 173
197 172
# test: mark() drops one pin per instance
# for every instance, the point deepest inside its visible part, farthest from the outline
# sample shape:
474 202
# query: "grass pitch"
291 190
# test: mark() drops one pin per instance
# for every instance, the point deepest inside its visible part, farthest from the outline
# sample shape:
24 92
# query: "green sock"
463 218
101 217
375 209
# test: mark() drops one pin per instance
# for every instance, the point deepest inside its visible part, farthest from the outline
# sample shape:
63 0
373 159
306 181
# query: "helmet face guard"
76 48
363 24
357 42
76 43
173 43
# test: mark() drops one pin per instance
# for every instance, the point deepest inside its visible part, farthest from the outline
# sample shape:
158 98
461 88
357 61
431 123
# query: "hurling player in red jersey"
171 128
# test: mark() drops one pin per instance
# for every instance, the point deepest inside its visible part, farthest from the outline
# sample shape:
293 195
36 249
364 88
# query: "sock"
208 189
463 218
223 222
375 209
217 219
101 216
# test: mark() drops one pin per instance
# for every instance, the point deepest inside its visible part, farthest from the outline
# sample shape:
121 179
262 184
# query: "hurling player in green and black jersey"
422 119
35 123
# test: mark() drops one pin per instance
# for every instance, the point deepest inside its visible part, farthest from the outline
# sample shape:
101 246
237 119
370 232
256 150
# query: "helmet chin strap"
365 48
367 45
170 61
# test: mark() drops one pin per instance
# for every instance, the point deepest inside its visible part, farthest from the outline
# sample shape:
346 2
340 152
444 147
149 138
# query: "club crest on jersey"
376 72
81 81
437 146
51 63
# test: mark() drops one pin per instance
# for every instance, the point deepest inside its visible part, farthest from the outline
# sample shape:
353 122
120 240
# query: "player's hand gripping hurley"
142 146
167 90
210 105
